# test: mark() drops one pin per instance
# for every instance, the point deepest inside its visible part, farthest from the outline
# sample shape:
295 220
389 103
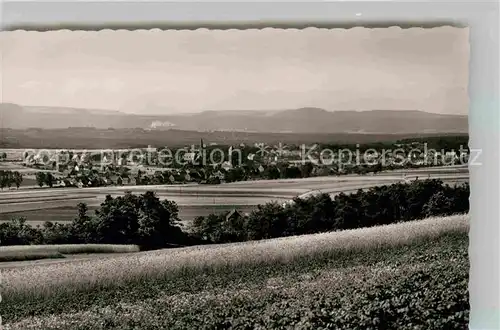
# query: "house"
30 159
227 166
233 215
371 156
450 154
151 171
320 171
133 181
190 157
125 180
36 158
220 175
114 179
85 158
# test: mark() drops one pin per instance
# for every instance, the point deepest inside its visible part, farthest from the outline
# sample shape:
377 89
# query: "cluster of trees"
144 220
10 178
438 143
447 143
153 223
320 213
45 178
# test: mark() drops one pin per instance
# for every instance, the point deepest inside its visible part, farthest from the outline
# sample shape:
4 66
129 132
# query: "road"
59 204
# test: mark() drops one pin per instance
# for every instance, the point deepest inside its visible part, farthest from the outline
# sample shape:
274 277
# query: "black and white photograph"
313 178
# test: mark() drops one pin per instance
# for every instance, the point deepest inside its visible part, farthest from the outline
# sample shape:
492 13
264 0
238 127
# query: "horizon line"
226 110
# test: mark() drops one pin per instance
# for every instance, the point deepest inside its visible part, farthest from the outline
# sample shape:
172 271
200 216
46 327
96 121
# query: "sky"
190 71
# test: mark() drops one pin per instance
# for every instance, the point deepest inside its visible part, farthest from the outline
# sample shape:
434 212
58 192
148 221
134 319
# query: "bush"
17 232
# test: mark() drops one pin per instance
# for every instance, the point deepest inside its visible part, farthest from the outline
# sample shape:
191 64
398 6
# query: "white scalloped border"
234 29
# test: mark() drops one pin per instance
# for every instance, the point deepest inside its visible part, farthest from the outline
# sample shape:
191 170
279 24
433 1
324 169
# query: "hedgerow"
321 213
146 221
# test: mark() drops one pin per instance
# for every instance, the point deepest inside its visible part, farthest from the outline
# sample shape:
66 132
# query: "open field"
24 257
335 280
29 178
91 138
17 166
34 252
59 204
62 258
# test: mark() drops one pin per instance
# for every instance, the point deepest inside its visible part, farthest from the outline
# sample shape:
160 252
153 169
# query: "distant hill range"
303 120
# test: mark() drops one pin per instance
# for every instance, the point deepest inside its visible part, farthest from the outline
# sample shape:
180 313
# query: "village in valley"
211 164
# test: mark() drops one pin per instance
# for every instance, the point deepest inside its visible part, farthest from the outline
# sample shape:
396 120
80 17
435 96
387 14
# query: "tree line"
10 178
45 178
438 143
92 138
153 223
144 220
321 213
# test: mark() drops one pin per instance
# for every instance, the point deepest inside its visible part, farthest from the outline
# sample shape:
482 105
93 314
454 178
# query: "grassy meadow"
406 275
9 256
34 252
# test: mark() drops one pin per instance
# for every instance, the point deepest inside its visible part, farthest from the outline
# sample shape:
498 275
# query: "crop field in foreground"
407 275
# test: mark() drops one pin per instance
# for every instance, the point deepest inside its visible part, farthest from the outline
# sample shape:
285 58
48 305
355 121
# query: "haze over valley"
302 120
